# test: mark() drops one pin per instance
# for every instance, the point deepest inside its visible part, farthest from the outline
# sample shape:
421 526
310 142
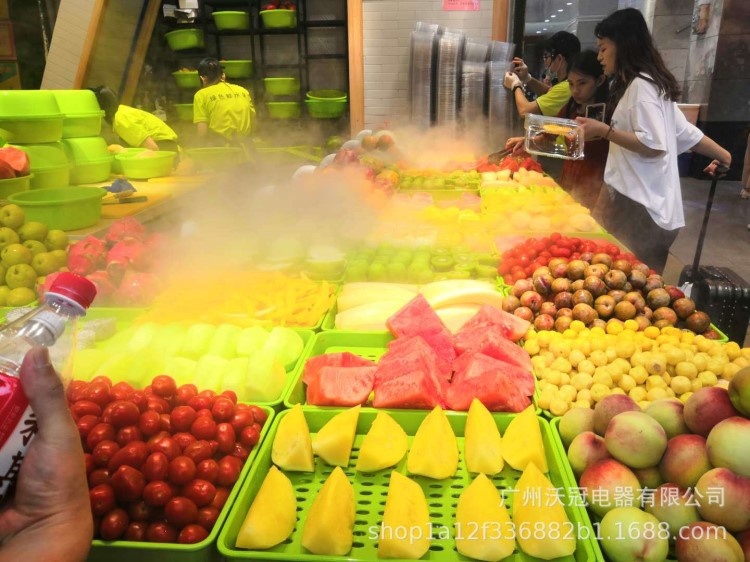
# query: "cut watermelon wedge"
345 359
496 390
417 390
476 365
491 340
513 327
341 386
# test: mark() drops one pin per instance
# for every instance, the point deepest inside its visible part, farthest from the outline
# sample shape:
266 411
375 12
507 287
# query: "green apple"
33 230
197 340
8 236
56 240
12 216
61 256
251 340
36 247
20 275
209 373
21 296
13 254
45 263
224 342
4 293
285 344
265 378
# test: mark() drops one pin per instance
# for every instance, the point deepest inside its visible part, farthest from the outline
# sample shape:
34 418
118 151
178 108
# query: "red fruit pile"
520 261
160 461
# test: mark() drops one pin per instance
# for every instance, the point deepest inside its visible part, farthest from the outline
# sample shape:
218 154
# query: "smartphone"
596 111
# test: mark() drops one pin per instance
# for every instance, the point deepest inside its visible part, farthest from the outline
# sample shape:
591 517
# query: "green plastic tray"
204 551
371 490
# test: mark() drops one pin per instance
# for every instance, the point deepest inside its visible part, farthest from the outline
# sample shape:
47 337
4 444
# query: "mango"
434 450
674 506
575 422
702 541
636 439
272 515
483 527
707 407
330 520
406 531
483 451
638 542
537 505
685 460
608 484
522 442
608 407
668 412
384 445
333 443
728 445
292 445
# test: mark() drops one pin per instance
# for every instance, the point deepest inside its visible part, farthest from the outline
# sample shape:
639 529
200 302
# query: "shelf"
282 66
325 23
229 32
324 57
280 31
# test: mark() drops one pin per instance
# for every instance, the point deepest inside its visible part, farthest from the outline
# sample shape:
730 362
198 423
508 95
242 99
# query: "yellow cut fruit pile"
579 367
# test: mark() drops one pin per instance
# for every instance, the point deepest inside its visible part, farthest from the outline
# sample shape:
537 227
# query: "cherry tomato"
231 394
214 444
181 470
226 437
229 470
157 437
180 511
241 420
203 428
104 451
220 499
259 414
182 418
133 454
98 392
98 476
128 483
165 423
84 408
199 402
100 432
128 434
149 423
123 413
156 466
157 404
157 493
184 393
86 423
198 451
164 386
207 469
141 511
121 391
192 534
240 451
166 445
136 531
102 379
207 516
102 499
210 394
250 436
203 413
75 390
139 398
200 491
161 532
222 409
114 524
183 439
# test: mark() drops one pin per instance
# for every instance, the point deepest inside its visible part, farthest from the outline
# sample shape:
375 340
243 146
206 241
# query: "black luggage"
718 291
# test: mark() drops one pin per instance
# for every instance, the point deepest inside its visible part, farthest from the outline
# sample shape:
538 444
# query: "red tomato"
229 470
161 532
100 432
128 434
157 437
181 470
203 428
226 437
141 511
199 451
98 476
208 515
133 454
192 534
199 402
104 451
240 451
183 439
139 398
114 524
86 423
98 392
102 499
241 420
156 466
75 390
157 404
203 413
149 423
157 493
121 391
122 413
182 418
184 393
214 446
259 414
128 483
207 469
84 408
180 511
164 386
166 445
231 394
165 423
220 499
222 409
250 436
102 379
200 491
136 531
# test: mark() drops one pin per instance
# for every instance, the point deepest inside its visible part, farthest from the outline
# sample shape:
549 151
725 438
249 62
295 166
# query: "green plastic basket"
11 186
91 172
147 168
238 68
286 86
283 109
182 39
231 20
184 111
116 166
371 490
49 165
327 95
274 19
187 79
31 129
217 157
325 109
204 551
65 208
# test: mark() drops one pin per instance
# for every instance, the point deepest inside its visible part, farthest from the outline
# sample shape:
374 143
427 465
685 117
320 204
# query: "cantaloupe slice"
292 446
330 520
483 527
333 443
483 451
384 445
522 442
536 505
405 531
272 515
434 451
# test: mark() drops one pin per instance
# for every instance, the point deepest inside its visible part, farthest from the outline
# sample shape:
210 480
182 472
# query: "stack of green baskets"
277 89
326 104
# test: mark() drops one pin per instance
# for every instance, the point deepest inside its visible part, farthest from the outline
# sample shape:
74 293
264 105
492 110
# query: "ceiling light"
553 16
546 21
568 3
544 29
538 31
560 10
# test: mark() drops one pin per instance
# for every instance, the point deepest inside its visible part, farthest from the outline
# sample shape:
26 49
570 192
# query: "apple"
14 254
20 275
33 230
4 292
20 296
8 236
45 263
56 240
12 216
36 247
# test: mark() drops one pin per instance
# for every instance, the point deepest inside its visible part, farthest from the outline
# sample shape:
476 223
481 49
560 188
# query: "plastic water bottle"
67 299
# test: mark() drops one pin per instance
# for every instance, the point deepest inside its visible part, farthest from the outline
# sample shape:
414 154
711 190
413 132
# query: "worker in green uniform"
224 112
135 127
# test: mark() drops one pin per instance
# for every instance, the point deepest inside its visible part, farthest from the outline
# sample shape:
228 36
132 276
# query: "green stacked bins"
65 208
231 20
325 109
49 165
238 68
156 165
91 161
286 86
30 116
283 109
11 186
116 165
82 116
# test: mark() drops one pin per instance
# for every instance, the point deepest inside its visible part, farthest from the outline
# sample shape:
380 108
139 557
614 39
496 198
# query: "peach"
650 478
609 407
739 391
636 439
685 460
724 499
707 407
575 422
674 506
629 534
703 541
586 449
668 412
608 484
728 445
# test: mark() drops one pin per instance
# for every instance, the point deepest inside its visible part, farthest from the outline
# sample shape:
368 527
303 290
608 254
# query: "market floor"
728 237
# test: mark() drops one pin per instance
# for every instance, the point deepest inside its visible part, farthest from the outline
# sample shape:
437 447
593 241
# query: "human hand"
511 81
516 143
592 128
701 26
49 517
717 166
521 69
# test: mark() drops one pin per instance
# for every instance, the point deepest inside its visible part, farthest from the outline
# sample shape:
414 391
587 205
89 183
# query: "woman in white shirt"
642 202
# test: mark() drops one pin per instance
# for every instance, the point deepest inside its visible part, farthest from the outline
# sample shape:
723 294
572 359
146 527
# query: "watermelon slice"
476 365
417 318
341 386
494 389
412 354
345 359
514 328
416 389
491 340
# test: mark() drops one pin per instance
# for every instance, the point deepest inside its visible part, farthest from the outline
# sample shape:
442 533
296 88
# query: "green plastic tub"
187 79
442 495
182 39
287 86
88 149
275 19
231 20
49 164
82 116
54 176
91 172
216 158
31 129
327 95
117 166
238 68
283 109
64 208
11 186
137 168
204 551
184 111
328 109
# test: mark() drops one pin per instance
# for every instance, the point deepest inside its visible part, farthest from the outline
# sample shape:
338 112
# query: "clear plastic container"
553 137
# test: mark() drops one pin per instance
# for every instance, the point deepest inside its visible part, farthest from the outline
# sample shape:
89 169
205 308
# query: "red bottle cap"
74 287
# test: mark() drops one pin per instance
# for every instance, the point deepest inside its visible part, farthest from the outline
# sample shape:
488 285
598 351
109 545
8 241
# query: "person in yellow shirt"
224 112
137 128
